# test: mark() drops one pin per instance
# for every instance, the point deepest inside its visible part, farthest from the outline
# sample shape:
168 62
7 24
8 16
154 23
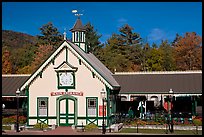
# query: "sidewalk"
70 131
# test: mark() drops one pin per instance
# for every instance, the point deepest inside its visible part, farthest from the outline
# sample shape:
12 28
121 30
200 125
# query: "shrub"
41 126
197 122
12 120
91 127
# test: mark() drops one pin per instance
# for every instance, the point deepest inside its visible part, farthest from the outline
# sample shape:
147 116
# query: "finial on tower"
65 34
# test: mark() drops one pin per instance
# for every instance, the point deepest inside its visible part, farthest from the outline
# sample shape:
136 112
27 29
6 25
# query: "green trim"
66 54
27 94
55 117
79 61
53 61
91 119
73 115
66 87
93 74
40 74
108 104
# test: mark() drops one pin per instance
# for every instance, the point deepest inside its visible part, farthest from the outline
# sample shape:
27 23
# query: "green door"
67 109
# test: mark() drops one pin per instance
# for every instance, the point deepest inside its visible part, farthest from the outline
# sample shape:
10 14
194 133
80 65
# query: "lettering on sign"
66 93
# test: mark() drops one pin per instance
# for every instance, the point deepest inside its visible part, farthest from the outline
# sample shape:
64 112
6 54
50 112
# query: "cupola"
78 35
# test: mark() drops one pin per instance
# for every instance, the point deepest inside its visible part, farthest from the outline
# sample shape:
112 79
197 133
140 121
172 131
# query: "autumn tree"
42 53
6 62
188 51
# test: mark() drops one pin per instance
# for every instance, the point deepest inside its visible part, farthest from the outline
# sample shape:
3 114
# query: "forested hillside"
123 51
16 40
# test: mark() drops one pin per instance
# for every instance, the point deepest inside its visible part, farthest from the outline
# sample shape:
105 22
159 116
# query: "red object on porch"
101 110
166 105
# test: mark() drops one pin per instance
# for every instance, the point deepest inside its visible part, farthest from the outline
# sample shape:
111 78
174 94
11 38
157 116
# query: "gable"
89 60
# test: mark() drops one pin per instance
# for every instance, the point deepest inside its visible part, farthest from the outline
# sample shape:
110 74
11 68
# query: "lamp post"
3 106
17 98
103 93
171 114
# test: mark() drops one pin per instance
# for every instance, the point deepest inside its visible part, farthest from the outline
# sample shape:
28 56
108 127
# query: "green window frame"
91 106
42 106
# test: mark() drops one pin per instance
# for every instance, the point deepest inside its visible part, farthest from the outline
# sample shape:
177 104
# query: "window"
42 106
91 106
77 36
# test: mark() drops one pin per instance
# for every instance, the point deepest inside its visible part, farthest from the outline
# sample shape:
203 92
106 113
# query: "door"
67 111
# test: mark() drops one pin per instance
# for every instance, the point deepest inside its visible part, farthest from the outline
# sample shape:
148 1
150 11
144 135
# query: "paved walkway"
57 131
67 131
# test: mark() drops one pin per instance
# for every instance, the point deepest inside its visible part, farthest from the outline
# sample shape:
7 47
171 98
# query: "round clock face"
66 79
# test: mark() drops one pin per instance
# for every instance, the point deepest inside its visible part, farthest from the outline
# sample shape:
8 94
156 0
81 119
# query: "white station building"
69 87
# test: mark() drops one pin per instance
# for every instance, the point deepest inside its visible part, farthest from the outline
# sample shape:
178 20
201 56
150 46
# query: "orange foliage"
188 52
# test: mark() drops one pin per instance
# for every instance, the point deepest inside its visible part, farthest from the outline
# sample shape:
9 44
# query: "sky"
154 21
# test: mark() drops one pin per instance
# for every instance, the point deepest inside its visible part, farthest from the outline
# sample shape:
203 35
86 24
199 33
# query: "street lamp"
171 114
3 106
17 98
103 96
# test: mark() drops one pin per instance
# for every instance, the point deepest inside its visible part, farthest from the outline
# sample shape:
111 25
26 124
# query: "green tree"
113 59
23 58
92 40
167 55
130 45
127 37
50 35
155 61
146 52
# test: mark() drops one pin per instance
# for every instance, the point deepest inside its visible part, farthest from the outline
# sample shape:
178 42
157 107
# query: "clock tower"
78 35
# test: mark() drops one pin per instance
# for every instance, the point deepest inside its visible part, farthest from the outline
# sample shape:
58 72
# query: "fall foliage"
123 51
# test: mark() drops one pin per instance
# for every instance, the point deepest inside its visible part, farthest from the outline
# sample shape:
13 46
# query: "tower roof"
78 26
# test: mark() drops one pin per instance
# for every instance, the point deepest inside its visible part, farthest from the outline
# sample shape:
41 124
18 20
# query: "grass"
160 131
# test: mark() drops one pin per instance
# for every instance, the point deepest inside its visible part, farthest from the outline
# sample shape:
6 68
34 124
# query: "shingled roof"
189 82
78 26
10 83
96 66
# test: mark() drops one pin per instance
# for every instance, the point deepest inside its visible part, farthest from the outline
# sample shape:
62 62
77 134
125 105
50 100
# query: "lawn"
160 131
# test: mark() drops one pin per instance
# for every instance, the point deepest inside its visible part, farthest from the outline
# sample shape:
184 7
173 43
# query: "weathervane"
76 13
